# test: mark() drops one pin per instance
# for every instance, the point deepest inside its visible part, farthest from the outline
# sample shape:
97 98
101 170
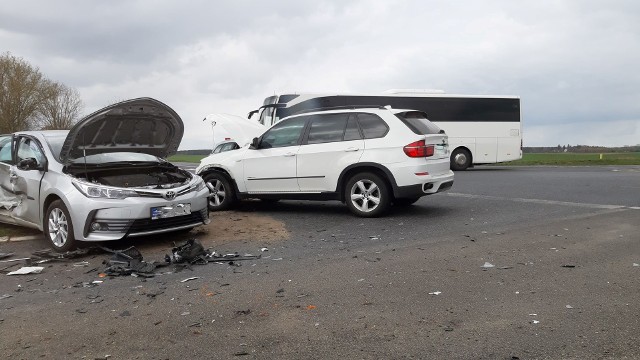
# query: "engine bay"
162 176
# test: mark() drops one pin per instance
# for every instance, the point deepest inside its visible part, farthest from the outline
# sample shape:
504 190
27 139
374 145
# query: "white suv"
369 158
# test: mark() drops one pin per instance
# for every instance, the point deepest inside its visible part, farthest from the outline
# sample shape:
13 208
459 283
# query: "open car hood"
142 125
239 129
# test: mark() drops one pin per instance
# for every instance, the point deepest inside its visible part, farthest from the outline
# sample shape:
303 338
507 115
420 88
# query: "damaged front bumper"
106 219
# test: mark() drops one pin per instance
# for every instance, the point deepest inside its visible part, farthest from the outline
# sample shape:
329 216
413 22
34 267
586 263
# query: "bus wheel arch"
461 158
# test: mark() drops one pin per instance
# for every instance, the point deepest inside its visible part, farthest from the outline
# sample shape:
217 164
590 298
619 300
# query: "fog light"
96 226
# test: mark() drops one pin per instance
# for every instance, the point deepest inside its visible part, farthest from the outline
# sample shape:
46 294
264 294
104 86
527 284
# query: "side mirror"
28 164
255 143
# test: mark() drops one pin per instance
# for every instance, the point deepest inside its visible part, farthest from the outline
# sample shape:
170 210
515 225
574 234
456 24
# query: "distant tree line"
31 101
579 149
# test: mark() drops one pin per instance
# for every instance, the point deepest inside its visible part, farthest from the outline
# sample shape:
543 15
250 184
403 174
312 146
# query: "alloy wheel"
217 192
58 227
365 195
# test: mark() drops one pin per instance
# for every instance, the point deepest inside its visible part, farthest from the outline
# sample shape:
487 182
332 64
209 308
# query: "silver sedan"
105 179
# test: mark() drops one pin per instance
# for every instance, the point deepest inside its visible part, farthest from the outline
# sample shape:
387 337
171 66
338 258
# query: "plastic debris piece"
435 293
488 265
569 306
185 313
636 264
568 266
27 270
5 296
533 314
189 279
535 322
278 259
264 249
14 260
81 264
505 267
311 307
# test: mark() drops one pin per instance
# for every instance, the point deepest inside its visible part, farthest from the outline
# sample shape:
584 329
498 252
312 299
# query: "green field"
186 158
576 159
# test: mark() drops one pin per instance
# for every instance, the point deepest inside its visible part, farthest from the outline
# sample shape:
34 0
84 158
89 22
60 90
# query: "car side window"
285 133
217 149
352 132
5 149
327 128
372 126
28 148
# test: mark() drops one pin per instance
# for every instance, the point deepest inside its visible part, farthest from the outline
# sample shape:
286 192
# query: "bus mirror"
251 113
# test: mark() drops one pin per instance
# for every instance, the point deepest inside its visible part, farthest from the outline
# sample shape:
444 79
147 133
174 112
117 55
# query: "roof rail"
345 107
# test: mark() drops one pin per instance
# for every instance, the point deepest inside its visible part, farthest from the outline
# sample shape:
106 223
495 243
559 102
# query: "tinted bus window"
437 108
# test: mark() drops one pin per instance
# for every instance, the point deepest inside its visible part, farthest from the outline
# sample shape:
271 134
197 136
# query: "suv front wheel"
221 193
367 195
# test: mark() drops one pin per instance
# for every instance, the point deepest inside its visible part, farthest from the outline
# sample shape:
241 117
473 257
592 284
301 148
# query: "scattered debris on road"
487 265
27 270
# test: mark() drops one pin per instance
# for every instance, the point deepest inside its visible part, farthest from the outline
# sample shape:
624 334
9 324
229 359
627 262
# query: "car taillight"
418 149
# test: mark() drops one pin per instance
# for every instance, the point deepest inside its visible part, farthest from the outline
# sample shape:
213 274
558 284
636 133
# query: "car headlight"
105 192
199 185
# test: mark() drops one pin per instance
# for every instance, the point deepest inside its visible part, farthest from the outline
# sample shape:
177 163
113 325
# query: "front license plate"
162 212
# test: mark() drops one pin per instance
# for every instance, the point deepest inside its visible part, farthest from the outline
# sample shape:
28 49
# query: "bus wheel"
460 159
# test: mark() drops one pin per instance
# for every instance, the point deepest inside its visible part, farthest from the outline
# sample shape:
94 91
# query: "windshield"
116 157
55 139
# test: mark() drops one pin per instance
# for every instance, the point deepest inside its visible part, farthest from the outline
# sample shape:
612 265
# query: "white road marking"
540 201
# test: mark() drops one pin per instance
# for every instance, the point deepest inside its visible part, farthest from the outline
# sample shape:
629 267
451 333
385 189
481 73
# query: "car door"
333 142
272 166
25 177
8 200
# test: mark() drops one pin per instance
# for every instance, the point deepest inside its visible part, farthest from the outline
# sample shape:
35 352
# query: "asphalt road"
513 262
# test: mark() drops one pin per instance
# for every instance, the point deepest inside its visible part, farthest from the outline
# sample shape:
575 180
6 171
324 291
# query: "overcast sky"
573 63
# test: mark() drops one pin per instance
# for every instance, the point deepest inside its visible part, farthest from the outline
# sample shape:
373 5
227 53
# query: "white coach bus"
481 129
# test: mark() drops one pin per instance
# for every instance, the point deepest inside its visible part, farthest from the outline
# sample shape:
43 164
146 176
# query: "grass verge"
186 158
576 159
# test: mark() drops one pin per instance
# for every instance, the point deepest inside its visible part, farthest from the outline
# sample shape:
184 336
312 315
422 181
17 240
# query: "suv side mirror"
28 164
255 143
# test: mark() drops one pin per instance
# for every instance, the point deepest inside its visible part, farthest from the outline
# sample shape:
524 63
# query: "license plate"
162 212
441 149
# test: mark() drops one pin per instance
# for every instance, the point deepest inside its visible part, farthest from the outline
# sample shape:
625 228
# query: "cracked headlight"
105 192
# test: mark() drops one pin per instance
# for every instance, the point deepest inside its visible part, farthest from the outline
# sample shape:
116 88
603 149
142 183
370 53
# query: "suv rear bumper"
432 185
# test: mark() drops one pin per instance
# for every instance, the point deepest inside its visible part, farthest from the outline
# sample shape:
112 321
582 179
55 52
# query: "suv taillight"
418 149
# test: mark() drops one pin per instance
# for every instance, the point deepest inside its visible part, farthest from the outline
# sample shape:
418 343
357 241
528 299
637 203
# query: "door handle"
289 154
351 149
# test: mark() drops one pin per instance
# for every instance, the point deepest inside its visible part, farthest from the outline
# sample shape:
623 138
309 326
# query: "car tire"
405 201
367 195
460 159
58 227
222 195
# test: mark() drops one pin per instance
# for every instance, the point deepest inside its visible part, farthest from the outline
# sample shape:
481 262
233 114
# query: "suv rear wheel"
367 195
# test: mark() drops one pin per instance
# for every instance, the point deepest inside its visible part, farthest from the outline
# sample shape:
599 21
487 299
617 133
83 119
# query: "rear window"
418 123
